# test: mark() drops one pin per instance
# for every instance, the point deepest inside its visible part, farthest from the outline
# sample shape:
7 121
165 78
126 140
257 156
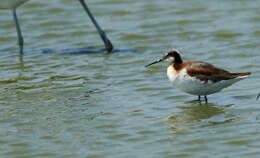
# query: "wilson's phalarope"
198 78
13 4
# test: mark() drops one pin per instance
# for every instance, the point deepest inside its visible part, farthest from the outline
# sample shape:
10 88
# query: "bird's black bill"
155 62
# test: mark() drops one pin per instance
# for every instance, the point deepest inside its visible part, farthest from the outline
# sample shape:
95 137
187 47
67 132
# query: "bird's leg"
19 32
108 44
206 99
258 96
21 62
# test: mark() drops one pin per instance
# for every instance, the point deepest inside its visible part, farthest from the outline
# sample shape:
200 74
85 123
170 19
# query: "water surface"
110 105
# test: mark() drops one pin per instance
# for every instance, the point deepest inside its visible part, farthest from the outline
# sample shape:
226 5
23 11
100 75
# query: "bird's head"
172 55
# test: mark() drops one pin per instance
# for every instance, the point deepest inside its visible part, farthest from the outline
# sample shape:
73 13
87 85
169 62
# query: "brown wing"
205 72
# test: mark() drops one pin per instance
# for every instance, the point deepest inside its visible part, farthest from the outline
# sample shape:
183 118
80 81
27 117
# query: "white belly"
194 86
10 4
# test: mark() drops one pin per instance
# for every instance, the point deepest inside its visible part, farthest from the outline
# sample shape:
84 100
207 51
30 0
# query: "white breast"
171 73
195 86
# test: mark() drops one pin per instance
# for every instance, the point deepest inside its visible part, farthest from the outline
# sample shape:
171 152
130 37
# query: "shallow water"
110 105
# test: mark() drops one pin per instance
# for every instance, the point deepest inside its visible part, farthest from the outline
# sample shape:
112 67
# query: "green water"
110 105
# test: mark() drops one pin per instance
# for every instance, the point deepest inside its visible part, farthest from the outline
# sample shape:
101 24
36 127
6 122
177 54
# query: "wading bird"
198 78
14 4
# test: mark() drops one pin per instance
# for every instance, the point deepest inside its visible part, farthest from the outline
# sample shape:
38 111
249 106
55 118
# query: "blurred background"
109 105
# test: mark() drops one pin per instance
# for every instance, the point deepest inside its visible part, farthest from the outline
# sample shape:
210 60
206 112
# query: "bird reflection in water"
200 114
21 63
